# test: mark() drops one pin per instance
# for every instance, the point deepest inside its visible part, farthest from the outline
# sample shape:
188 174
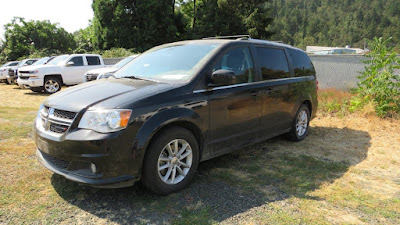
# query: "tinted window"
13 64
273 63
93 60
240 62
78 61
301 63
30 62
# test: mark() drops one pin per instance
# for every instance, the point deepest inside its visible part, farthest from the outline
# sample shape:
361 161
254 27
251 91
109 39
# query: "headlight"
104 76
105 121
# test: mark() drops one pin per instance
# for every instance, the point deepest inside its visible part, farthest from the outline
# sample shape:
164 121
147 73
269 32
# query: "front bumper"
88 157
30 82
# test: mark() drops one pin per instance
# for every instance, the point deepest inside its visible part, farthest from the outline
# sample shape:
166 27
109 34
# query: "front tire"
300 125
52 85
171 161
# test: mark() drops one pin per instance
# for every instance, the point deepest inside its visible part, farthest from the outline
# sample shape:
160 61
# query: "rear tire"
300 125
171 161
52 85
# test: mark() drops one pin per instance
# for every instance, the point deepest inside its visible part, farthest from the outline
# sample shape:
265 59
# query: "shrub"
378 83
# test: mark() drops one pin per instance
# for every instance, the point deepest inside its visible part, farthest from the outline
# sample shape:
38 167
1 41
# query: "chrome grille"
59 163
58 128
91 77
55 120
64 114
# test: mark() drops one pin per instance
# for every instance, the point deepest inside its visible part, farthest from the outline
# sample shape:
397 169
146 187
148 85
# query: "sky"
72 15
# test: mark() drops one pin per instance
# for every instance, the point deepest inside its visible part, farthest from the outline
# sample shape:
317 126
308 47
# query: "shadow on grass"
232 184
36 94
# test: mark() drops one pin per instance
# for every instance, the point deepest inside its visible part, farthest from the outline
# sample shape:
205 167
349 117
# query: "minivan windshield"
175 64
123 62
58 60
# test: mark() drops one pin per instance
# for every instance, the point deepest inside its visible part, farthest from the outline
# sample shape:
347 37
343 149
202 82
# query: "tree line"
127 26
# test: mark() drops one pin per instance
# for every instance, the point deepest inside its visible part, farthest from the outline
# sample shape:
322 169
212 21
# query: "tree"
228 17
134 24
23 38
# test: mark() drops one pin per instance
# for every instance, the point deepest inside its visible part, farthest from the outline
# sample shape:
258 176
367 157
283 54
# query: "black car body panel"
221 118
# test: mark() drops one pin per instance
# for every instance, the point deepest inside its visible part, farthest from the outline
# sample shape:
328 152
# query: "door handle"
254 93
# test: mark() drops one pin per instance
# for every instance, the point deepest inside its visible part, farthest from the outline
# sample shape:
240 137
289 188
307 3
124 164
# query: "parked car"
106 72
42 61
4 70
62 70
174 106
12 71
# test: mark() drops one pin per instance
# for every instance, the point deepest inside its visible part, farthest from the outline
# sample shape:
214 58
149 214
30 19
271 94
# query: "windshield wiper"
139 78
133 77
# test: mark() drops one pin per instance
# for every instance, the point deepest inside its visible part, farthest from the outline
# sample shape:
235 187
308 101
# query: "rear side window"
274 64
93 60
302 64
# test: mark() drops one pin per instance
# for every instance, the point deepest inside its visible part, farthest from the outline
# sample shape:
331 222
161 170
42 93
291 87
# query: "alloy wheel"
175 161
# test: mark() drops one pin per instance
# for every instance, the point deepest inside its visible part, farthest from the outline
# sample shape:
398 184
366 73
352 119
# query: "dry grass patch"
347 171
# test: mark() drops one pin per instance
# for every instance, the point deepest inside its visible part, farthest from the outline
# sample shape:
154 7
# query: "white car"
4 70
12 71
62 70
102 73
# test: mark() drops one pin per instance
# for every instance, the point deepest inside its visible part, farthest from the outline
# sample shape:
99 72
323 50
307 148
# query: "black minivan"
173 106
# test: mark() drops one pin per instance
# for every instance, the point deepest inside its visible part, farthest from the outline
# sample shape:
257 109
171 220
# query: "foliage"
227 17
23 38
335 22
133 23
116 53
378 83
84 40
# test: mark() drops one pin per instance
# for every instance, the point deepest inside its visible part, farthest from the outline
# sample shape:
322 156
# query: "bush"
117 53
378 83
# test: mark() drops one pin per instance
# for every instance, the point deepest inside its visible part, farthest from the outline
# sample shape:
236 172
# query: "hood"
109 93
30 68
109 69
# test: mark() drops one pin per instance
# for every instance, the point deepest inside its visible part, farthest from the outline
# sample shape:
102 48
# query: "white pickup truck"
62 70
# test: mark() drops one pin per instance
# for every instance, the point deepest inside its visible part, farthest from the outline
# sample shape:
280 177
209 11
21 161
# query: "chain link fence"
333 71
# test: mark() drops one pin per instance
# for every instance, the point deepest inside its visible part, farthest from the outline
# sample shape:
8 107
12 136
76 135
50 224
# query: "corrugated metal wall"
338 71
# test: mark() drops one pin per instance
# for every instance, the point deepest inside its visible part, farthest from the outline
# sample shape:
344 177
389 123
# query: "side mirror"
222 77
70 63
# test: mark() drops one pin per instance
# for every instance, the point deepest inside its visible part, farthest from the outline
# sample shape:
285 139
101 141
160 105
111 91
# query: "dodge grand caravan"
174 106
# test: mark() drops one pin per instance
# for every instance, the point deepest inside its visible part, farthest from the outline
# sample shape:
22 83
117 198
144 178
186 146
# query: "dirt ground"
347 171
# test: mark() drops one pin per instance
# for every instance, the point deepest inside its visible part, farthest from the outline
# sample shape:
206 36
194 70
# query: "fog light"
93 168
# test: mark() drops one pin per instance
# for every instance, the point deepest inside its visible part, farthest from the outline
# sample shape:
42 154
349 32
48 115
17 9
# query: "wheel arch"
149 131
58 76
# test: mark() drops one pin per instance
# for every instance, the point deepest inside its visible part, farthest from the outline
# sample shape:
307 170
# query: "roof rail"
238 37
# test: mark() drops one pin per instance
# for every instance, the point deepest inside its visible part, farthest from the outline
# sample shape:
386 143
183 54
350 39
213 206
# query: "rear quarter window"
302 64
93 60
273 62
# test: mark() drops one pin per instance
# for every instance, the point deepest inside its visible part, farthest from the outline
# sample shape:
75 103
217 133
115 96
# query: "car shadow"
226 186
36 94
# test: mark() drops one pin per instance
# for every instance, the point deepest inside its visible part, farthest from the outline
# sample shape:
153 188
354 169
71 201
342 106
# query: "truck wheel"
171 161
36 89
300 124
52 85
